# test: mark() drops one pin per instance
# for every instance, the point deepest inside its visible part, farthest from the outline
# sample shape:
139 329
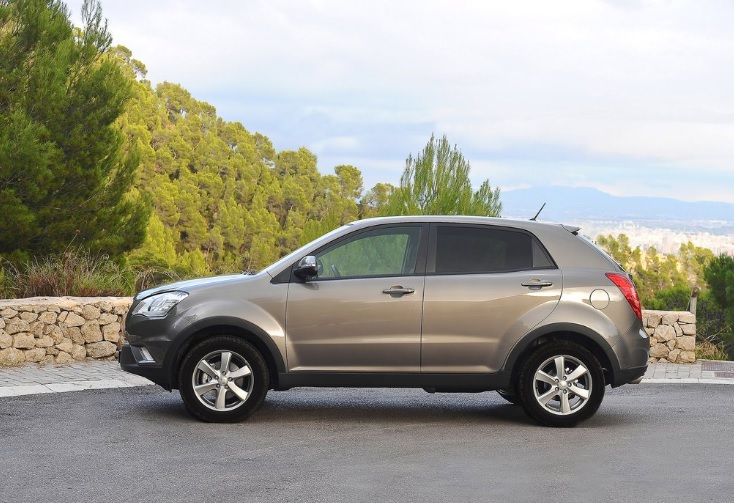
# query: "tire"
552 400
217 397
510 396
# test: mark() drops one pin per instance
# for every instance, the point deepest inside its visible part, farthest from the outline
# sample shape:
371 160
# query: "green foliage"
661 279
719 275
675 298
75 273
223 199
712 326
437 182
64 175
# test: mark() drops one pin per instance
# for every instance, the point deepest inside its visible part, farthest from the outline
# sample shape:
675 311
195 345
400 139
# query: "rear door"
486 286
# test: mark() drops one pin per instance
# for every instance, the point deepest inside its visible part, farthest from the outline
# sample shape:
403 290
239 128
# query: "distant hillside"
567 204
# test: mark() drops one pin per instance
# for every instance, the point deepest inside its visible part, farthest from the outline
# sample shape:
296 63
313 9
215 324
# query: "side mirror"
306 268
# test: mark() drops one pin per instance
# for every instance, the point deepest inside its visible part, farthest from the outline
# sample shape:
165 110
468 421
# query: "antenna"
538 213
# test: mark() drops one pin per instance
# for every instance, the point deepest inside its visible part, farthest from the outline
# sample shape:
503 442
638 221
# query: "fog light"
142 355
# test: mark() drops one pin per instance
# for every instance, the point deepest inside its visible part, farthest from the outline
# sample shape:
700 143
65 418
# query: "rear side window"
472 250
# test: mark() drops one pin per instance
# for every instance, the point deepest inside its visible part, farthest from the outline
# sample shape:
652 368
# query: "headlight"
157 306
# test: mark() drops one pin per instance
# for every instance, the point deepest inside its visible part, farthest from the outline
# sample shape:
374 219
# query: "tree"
437 182
719 275
64 174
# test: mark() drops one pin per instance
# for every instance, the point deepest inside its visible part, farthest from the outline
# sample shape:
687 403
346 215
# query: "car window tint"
481 250
389 251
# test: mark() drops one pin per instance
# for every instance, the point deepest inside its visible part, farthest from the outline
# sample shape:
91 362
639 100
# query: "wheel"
509 395
223 379
561 383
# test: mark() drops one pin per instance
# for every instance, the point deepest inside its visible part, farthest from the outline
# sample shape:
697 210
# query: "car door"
486 286
362 312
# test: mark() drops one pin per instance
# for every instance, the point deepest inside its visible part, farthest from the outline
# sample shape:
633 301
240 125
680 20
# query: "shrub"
75 273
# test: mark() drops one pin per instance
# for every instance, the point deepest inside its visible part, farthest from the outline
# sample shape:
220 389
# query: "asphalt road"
651 442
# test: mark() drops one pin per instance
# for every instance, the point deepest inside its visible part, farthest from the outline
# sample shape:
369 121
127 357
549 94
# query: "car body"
444 303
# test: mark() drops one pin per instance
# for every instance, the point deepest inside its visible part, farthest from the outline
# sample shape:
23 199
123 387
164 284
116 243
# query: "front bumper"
151 371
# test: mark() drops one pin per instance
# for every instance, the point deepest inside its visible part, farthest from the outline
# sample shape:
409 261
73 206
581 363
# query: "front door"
362 313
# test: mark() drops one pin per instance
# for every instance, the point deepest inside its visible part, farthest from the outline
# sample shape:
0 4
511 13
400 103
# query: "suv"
447 304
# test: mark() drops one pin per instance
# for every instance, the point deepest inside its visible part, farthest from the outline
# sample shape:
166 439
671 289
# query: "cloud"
592 86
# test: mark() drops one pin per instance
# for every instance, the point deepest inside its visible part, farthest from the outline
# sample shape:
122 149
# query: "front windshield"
295 254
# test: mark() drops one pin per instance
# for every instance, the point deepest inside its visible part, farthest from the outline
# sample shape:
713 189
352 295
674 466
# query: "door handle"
398 291
537 284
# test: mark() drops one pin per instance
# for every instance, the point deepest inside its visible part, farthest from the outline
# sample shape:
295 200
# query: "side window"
467 250
390 251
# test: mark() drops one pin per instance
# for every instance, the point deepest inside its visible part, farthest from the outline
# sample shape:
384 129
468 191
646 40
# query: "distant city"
647 222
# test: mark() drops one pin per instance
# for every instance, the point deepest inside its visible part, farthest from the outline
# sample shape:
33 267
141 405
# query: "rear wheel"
561 384
223 379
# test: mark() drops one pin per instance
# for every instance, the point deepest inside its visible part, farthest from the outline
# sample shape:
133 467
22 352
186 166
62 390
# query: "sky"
632 97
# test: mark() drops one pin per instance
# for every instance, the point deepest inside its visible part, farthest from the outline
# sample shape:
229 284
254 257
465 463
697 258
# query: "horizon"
630 98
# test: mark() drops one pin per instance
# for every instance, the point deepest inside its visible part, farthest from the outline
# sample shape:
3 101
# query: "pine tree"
436 182
64 174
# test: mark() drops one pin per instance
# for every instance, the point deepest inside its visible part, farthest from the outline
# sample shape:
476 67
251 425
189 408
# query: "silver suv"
447 304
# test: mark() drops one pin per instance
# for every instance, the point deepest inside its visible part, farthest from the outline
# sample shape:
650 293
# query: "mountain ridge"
584 203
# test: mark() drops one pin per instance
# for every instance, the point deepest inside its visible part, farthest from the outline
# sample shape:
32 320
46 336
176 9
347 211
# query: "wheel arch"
579 334
234 327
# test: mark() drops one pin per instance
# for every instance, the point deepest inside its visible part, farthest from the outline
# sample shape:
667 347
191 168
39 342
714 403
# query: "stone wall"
672 336
60 330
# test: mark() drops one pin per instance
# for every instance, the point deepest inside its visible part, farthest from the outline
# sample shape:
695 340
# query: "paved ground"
35 379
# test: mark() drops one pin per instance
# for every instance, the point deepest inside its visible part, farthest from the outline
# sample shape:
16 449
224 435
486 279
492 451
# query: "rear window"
474 250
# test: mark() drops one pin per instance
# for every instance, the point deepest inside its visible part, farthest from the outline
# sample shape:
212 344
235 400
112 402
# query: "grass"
78 273
706 350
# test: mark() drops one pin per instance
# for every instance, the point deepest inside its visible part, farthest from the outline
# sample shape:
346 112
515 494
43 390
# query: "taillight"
627 287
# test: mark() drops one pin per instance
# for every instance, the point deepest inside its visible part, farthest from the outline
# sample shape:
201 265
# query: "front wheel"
223 379
561 384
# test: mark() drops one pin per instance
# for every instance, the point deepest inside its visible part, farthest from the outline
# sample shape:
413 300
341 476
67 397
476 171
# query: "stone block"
17 325
8 313
670 319
29 317
78 352
671 344
56 333
652 320
44 342
687 357
75 334
49 318
111 332
63 358
74 320
686 318
66 345
11 357
90 312
674 355
659 351
91 332
107 318
6 340
678 330
101 349
687 343
35 355
24 341
38 329
689 329
664 333
2 323
105 307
